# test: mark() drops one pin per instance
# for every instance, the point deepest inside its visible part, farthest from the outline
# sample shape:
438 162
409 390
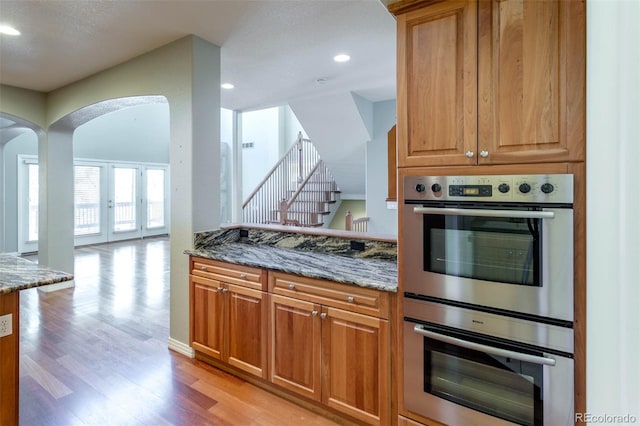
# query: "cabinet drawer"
349 297
235 274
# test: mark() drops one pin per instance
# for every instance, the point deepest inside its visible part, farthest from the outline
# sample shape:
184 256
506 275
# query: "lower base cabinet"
355 365
229 321
337 357
330 343
324 341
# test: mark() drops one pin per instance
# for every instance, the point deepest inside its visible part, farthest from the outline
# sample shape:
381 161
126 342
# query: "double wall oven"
488 298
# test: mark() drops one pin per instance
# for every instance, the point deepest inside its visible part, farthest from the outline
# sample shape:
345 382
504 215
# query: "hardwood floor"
97 354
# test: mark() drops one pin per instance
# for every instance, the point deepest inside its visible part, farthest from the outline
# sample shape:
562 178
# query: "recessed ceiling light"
227 86
341 58
6 29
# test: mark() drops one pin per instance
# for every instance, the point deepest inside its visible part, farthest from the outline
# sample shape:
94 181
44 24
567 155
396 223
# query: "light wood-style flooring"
97 354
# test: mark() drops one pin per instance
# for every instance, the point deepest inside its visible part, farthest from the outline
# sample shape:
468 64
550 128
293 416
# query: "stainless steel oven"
500 243
467 367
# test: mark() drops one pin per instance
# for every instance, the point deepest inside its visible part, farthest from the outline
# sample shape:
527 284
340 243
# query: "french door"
112 202
132 202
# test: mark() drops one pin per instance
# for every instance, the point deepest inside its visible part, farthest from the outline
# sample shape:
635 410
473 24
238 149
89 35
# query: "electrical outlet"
6 325
356 245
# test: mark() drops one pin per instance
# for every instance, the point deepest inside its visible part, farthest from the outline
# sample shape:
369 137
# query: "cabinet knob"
484 154
224 290
323 315
350 299
469 154
314 313
243 276
292 287
203 268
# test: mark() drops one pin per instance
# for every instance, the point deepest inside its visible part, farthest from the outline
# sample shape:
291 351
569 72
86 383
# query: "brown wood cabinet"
295 346
229 320
9 360
323 349
325 341
491 82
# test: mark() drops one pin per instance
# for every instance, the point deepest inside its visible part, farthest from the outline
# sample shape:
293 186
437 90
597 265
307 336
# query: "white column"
195 175
613 212
55 228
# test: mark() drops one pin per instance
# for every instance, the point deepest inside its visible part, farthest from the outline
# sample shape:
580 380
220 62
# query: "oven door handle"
484 348
519 214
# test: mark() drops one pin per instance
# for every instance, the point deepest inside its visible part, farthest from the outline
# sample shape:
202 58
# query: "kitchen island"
16 274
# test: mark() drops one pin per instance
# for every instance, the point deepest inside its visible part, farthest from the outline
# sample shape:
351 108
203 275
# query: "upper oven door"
518 260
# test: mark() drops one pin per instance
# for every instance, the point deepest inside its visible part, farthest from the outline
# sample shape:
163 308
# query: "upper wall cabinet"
491 82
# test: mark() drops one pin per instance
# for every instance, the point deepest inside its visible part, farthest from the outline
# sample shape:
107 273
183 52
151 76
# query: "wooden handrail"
302 185
297 145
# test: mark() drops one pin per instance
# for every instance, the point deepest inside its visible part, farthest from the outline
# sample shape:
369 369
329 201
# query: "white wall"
139 133
382 220
289 128
262 129
613 211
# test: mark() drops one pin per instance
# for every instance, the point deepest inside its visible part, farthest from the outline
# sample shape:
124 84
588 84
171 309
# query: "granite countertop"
371 273
17 273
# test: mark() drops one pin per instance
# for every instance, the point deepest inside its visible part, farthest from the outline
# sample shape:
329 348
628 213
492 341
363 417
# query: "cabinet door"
295 345
247 329
437 85
355 366
531 81
207 316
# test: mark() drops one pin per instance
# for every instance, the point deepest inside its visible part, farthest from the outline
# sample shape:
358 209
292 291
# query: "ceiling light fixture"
6 29
341 58
227 86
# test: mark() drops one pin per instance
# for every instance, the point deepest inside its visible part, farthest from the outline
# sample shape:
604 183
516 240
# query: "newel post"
348 221
283 212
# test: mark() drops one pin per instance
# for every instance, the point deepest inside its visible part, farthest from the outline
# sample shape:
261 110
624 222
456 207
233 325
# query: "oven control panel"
543 188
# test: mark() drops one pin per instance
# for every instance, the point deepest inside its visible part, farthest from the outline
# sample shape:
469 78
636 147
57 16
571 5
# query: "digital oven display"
470 190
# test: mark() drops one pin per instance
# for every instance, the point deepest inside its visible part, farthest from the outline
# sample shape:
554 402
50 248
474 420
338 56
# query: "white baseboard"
181 348
57 286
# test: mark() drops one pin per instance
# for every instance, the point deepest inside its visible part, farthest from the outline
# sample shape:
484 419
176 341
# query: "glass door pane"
504 250
155 198
32 225
124 199
502 387
87 192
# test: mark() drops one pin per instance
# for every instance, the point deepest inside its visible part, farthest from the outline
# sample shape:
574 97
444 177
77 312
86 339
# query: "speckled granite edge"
381 250
17 274
371 273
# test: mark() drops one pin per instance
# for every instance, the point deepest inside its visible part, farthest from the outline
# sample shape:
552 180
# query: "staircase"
299 190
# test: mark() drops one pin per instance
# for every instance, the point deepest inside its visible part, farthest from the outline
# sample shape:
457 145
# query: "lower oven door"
462 378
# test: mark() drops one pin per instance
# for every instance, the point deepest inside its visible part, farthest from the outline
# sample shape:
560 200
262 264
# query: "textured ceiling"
273 51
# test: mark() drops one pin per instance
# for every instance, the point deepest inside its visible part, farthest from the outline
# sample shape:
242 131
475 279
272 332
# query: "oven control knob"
436 187
547 188
524 188
504 188
420 187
